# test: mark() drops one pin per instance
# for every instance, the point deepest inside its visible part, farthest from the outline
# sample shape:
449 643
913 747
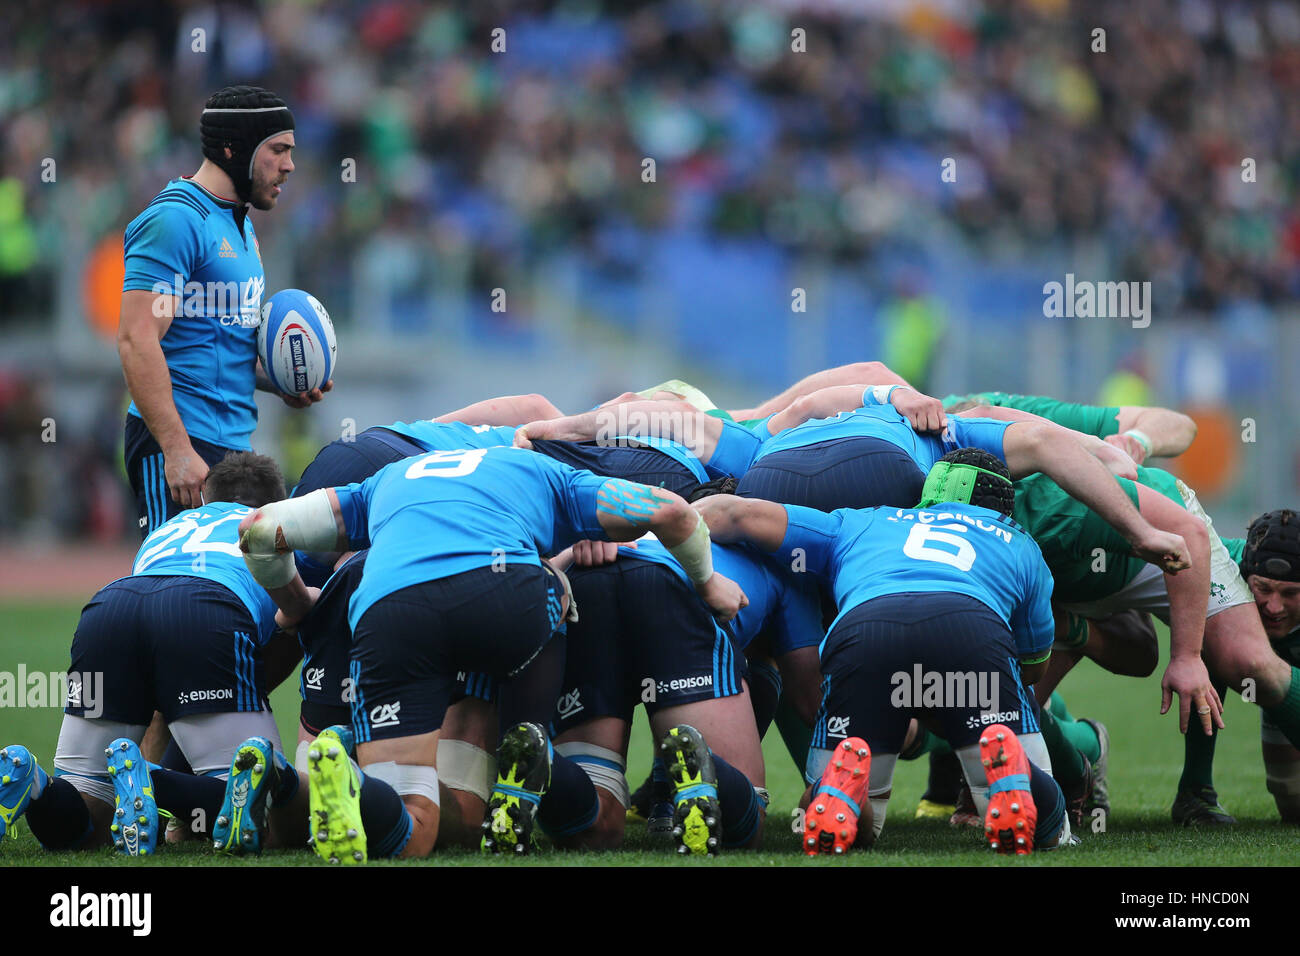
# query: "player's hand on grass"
724 596
306 399
1187 677
186 472
1166 551
925 414
1129 446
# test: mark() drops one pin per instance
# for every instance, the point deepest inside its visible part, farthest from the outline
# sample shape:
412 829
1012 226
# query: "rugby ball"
295 342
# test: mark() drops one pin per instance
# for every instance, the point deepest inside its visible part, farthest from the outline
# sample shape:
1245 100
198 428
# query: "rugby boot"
523 774
831 820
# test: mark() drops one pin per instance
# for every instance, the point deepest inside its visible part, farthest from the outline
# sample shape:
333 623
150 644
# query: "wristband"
880 394
694 554
1142 438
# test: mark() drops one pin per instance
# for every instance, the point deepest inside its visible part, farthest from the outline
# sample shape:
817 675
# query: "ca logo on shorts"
837 727
569 704
314 676
385 715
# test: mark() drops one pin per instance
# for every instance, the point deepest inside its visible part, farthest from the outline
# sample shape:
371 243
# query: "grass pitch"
1146 759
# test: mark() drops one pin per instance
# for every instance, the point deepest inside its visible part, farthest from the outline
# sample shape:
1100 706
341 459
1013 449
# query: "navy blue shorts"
145 470
643 636
326 643
343 462
409 647
178 645
842 473
649 466
945 658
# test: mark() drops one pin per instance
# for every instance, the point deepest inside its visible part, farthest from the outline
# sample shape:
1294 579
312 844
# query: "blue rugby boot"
18 776
135 814
243 810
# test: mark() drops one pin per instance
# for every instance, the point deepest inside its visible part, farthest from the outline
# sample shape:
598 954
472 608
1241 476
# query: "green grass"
1146 759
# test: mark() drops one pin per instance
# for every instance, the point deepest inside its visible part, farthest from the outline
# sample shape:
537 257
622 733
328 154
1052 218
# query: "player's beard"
260 194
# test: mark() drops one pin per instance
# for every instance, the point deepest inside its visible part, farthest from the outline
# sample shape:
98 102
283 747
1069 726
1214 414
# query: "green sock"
797 736
1067 762
1057 706
1286 715
1198 752
1083 737
1080 735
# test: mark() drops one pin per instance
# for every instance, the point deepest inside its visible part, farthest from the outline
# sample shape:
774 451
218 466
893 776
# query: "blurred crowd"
483 161
1152 141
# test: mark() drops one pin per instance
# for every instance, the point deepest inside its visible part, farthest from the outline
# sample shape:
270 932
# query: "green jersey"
1088 558
1236 547
1089 419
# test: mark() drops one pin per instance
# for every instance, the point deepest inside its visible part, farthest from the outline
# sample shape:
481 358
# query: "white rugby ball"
295 342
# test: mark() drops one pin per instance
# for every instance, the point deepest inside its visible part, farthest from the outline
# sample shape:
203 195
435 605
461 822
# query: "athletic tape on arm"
694 554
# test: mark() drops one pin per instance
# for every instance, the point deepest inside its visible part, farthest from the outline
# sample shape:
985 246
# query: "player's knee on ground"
417 785
607 772
466 774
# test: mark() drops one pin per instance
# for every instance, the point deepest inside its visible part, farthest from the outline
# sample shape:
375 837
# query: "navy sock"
741 808
286 782
764 692
1050 802
181 794
661 788
570 804
388 825
173 759
58 817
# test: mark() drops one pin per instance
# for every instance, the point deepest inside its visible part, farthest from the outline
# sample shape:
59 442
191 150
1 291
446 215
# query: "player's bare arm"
1113 456
675 421
1146 432
1189 594
269 536
504 410
923 412
876 373
144 319
1042 446
627 510
732 520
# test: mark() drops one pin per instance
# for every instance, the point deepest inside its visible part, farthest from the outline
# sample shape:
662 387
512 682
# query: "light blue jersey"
448 436
447 512
885 422
204 543
736 450
959 548
189 244
788 601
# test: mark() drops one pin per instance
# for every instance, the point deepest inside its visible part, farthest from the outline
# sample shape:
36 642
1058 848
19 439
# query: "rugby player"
952 586
1269 558
454 581
645 637
183 635
191 301
1211 608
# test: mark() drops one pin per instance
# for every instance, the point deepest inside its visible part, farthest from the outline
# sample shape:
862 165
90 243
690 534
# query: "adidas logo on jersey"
226 251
